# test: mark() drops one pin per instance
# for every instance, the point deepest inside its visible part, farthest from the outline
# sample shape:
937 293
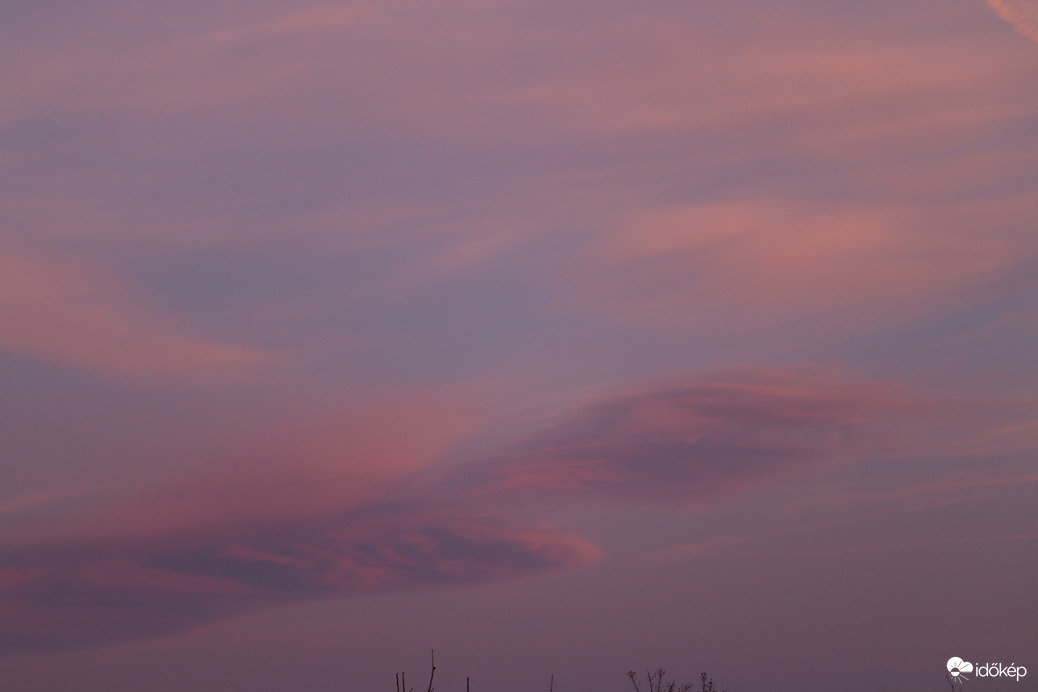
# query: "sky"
562 338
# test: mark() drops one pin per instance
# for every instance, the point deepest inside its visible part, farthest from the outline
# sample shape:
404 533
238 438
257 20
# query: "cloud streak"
1021 14
326 508
378 240
702 440
69 596
67 311
785 258
336 519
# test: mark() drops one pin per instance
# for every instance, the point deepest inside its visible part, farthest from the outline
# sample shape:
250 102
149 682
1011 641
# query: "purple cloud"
709 438
55 597
171 558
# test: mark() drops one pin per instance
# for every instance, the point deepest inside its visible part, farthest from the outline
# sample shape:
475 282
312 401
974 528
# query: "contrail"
1022 14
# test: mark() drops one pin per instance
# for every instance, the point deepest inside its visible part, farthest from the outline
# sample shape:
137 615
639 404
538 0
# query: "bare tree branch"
432 672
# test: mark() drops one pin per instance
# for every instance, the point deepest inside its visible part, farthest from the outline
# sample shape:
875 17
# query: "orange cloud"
70 312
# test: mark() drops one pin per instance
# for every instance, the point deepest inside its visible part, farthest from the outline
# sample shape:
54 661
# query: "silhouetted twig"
401 683
654 678
656 683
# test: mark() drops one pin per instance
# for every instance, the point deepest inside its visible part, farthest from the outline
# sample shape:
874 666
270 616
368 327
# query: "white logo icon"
956 668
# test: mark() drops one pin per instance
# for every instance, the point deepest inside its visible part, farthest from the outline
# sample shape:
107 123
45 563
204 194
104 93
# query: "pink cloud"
67 596
366 509
13 505
324 74
702 438
1021 14
791 257
374 67
327 507
706 439
323 458
160 67
71 312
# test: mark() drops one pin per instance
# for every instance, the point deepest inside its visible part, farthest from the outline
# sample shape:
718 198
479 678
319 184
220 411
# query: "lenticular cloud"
1022 14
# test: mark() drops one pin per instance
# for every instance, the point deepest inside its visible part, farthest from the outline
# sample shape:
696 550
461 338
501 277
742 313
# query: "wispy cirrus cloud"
360 512
182 65
695 440
328 507
1022 14
701 440
58 597
719 267
286 127
12 505
71 312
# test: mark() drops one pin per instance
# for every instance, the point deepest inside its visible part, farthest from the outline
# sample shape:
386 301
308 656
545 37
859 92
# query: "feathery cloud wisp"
357 514
1022 14
70 312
